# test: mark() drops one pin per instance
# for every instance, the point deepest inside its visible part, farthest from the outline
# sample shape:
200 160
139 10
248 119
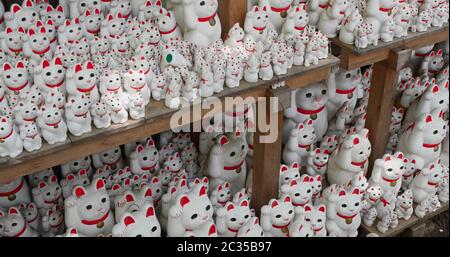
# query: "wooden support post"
381 101
267 157
231 12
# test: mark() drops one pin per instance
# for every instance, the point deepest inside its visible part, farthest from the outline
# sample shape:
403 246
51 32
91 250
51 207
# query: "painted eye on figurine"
308 95
194 216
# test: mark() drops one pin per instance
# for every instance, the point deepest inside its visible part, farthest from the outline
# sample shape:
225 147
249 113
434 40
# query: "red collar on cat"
275 9
310 112
346 217
422 55
138 88
384 201
115 162
15 190
55 85
260 28
168 32
385 9
42 51
431 145
390 180
304 146
345 92
53 124
235 167
31 119
95 222
233 230
300 28
205 19
34 219
149 168
15 50
18 88
6 137
432 184
21 231
81 115
53 201
324 6
300 204
320 165
95 32
317 229
407 176
86 90
359 163
57 225
1 98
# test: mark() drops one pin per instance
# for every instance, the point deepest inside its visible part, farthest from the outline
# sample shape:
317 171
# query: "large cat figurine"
343 213
13 193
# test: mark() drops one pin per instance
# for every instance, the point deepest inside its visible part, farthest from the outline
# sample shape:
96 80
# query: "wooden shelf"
353 57
157 120
403 224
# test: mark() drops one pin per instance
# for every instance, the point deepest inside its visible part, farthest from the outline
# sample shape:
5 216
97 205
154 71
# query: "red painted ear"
77 21
308 208
400 156
148 4
39 23
342 193
387 159
319 178
227 185
79 191
432 54
73 231
87 12
70 177
310 122
140 148
15 8
9 30
429 119
6 66
90 65
287 199
256 9
202 191
318 151
110 17
78 68
42 185
322 208
58 61
45 64
293 183
355 191
43 31
295 165
306 179
128 220
184 200
21 30
284 168
53 179
230 207
29 3
115 187
439 52
304 7
274 204
158 3
13 210
150 212
300 126
155 180
356 141
59 8
67 22
435 89
223 140
212 230
129 197
20 65
50 8
100 184
244 203
219 188
265 8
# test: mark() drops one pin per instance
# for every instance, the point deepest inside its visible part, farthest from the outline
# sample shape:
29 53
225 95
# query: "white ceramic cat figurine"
81 80
295 23
388 172
111 158
251 229
220 195
300 191
140 223
350 159
191 215
73 180
277 11
47 195
14 192
145 159
300 143
53 222
100 114
377 13
232 217
404 205
426 183
202 24
78 116
88 210
317 216
37 44
388 30
11 144
343 213
226 161
316 7
13 224
330 19
256 23
350 23
277 216
287 174
52 125
420 146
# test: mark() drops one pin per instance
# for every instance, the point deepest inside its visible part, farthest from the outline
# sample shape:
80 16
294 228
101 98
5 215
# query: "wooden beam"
231 12
267 158
351 61
382 99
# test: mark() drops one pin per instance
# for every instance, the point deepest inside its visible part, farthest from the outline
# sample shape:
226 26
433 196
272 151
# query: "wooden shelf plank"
157 120
403 224
353 57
